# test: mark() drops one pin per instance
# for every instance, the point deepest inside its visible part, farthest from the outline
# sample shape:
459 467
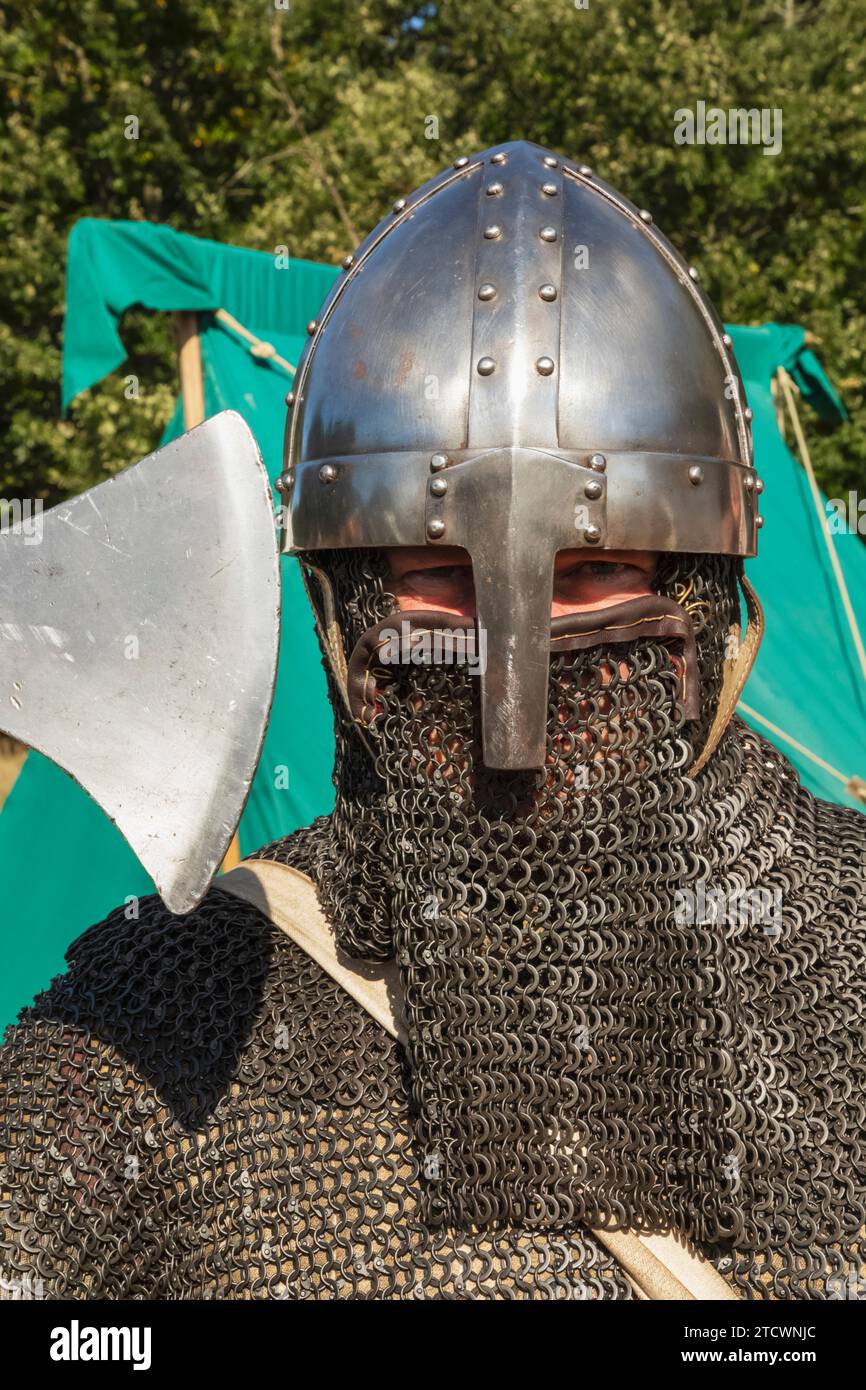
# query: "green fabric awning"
112 266
68 866
807 678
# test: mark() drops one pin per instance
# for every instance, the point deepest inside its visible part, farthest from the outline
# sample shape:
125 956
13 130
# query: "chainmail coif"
197 1110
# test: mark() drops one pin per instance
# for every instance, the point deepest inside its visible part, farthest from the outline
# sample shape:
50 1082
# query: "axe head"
138 645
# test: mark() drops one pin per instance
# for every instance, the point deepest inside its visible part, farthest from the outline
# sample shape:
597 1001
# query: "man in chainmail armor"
625 945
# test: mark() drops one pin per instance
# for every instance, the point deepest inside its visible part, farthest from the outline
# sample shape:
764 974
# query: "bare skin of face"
440 577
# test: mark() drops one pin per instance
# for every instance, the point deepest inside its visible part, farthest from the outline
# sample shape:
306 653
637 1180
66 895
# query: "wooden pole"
192 392
189 367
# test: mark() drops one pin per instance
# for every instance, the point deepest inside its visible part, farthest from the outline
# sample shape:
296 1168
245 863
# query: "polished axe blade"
138 645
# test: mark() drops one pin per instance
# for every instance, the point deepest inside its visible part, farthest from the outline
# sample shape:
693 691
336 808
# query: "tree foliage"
274 122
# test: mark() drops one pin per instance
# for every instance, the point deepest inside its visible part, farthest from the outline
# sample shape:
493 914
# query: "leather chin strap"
736 672
328 628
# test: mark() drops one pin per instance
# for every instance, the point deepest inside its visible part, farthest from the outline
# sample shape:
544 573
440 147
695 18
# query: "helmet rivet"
759 485
285 483
547 292
548 234
550 161
327 473
550 189
486 366
487 291
436 528
592 534
461 162
593 490
545 366
748 412
598 462
492 233
759 521
584 169
494 190
290 398
645 216
727 340
750 482
694 273
438 461
439 486
348 262
312 326
400 204
696 474
498 158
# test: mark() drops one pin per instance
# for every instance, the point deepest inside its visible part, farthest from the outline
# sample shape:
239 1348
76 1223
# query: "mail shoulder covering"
196 1111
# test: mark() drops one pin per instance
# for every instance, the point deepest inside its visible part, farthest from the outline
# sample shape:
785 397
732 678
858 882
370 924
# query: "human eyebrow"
452 571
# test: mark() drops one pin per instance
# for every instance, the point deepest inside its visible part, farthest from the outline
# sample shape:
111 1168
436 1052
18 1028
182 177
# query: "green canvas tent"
64 865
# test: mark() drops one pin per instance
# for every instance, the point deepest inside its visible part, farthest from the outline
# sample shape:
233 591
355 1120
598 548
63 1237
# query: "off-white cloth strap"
288 899
658 1267
663 1268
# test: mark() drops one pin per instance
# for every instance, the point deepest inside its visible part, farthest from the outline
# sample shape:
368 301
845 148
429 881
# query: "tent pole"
189 363
189 366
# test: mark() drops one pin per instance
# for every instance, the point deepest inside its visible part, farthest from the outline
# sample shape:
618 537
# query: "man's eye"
446 574
605 569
